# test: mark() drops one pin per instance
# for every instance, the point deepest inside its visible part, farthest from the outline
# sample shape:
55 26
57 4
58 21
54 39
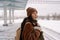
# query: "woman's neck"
34 22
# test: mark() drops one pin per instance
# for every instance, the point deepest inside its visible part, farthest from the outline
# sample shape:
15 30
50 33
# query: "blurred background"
12 13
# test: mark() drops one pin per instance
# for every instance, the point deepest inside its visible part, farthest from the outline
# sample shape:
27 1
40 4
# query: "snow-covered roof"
17 4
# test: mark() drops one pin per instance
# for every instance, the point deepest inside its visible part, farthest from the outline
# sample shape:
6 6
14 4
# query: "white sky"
44 9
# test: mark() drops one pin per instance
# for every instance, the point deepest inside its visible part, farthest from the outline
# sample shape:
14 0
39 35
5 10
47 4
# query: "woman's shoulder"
28 26
28 23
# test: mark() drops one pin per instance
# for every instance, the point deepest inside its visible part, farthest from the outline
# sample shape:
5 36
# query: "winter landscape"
48 17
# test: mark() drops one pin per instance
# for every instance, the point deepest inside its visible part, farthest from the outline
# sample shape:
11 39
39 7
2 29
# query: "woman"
30 30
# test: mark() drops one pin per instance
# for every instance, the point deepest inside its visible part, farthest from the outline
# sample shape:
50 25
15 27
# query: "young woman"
30 28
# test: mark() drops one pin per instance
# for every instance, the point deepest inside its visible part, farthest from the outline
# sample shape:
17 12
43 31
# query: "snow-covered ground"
51 24
50 28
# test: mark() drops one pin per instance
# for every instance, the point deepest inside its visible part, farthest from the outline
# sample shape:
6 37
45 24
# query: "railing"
51 34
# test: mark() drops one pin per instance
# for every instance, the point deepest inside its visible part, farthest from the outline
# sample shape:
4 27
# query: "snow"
9 32
50 28
51 24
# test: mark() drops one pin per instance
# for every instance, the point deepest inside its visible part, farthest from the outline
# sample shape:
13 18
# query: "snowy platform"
9 32
50 30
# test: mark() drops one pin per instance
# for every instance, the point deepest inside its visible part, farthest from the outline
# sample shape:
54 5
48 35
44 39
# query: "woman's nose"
36 16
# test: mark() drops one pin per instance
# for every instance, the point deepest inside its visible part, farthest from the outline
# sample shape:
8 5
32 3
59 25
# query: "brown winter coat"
29 33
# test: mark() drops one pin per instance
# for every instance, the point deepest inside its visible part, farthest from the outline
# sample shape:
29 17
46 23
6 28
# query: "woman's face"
34 15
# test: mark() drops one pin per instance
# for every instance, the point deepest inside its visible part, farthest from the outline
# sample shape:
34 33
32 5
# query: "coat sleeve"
29 33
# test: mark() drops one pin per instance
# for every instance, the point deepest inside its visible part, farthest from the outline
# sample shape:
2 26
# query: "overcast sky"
45 7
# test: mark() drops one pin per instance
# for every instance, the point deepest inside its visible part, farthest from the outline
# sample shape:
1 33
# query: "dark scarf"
34 22
27 19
